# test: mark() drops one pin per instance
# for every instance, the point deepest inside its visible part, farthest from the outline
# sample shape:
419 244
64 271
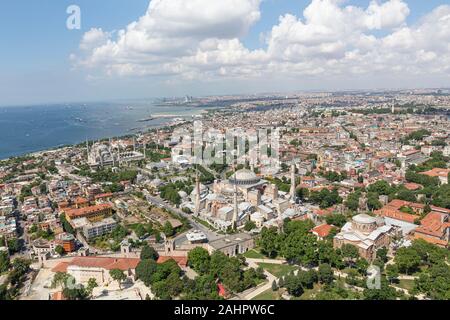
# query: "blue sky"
34 58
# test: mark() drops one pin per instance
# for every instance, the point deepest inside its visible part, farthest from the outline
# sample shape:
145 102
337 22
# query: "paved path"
253 292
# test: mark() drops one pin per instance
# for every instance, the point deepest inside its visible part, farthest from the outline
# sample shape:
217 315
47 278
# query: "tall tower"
393 108
145 150
235 204
197 194
292 191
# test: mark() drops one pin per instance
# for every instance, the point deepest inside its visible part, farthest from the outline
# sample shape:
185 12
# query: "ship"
149 118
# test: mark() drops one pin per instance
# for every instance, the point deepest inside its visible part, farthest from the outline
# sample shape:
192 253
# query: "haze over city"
159 48
242 155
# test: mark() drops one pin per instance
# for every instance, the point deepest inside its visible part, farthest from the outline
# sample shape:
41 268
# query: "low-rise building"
85 268
99 228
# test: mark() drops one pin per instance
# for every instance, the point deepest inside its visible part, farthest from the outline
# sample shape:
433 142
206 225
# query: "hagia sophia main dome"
244 177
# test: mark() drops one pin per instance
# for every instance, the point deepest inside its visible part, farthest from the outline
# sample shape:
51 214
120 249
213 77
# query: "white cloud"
94 38
201 39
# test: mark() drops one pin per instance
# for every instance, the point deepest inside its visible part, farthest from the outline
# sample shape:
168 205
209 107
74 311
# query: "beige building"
366 233
98 268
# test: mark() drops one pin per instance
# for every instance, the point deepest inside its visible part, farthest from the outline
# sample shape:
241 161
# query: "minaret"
197 194
235 204
393 108
292 191
280 221
145 150
118 153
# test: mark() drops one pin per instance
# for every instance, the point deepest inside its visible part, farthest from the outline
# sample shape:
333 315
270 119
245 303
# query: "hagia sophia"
242 197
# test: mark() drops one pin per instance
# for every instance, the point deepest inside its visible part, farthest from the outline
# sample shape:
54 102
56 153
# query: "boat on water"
149 118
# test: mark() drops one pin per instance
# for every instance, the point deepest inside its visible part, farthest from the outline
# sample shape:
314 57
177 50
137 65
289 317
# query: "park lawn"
406 284
269 294
278 270
254 254
309 294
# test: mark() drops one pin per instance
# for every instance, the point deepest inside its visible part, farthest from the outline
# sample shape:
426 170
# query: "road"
210 234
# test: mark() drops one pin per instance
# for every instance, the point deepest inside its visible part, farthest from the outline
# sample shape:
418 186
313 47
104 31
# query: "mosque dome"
244 177
364 219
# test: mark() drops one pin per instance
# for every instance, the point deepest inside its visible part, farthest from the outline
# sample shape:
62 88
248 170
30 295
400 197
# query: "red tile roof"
181 261
412 186
107 263
74 213
396 214
434 224
322 231
103 195
432 240
58 296
437 172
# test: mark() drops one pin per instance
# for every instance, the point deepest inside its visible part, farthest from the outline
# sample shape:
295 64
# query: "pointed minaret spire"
292 191
197 194
235 204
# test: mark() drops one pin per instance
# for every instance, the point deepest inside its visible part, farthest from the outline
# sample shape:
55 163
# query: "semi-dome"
203 190
244 177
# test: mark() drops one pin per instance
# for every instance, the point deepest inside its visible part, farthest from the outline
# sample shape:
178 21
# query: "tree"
300 246
382 254
302 193
392 273
173 284
373 203
268 241
4 261
117 275
385 292
435 283
92 283
362 265
168 230
337 220
59 250
350 253
407 260
199 260
381 187
140 231
249 225
352 201
325 273
293 285
14 245
60 279
406 195
66 225
148 252
145 270
307 278
21 265
274 286
77 293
